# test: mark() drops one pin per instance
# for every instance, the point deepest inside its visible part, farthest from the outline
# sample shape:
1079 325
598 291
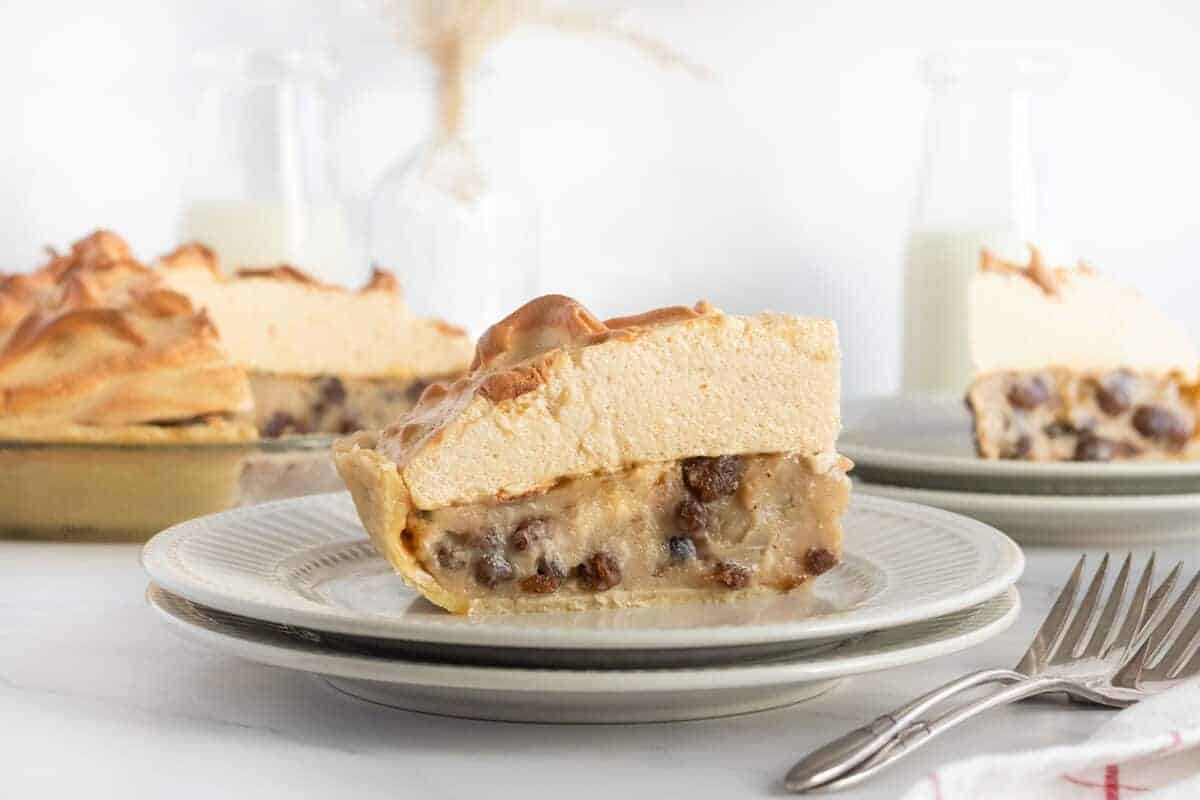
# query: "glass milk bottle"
979 188
260 189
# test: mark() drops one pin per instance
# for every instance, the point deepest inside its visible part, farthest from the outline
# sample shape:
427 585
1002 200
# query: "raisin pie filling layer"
1061 415
300 404
727 523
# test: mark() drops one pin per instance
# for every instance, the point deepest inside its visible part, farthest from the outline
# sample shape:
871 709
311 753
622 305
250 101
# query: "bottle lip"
1010 68
267 67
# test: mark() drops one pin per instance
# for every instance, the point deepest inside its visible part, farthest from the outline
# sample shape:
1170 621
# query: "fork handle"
835 759
918 735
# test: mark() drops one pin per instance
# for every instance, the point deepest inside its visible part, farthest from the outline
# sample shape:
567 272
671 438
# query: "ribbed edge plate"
306 562
580 696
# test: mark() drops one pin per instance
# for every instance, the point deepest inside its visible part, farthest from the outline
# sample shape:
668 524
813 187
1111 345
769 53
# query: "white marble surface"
97 696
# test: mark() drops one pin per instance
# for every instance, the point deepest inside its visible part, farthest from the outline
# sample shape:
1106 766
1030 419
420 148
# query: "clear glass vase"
261 189
980 186
462 234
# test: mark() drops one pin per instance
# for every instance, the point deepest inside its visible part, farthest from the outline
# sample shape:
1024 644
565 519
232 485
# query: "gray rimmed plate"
579 696
924 442
307 563
1080 521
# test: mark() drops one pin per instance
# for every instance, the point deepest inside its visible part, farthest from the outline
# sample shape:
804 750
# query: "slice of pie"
319 358
679 455
1071 365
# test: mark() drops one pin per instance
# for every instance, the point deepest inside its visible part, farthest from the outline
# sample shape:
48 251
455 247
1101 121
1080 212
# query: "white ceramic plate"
1040 519
306 562
588 696
924 441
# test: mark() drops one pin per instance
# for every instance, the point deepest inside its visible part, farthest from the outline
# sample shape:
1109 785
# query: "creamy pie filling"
709 524
298 404
1062 415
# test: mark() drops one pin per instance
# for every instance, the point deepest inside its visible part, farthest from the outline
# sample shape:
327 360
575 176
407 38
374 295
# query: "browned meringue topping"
48 327
76 278
282 272
662 316
554 321
104 284
382 281
168 303
192 255
19 294
1048 279
198 256
543 324
92 251
513 355
100 341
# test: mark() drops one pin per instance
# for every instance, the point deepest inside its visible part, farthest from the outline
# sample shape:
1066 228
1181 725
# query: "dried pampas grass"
456 34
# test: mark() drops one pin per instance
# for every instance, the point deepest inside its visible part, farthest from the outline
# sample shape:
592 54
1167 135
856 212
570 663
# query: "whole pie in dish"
132 397
319 358
674 456
1071 365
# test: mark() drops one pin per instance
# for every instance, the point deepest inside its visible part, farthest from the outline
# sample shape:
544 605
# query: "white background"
788 182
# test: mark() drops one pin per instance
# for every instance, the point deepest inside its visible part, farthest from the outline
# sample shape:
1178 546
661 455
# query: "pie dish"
319 359
679 455
92 490
1073 366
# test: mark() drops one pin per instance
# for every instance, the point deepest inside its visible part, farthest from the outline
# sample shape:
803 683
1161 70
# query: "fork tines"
1168 645
1102 625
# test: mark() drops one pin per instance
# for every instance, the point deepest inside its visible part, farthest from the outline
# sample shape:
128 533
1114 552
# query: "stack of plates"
920 449
295 584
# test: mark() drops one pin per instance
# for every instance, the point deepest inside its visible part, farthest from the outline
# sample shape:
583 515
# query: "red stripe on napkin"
1124 787
1112 789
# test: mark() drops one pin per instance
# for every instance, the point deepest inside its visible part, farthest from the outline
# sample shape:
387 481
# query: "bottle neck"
978 169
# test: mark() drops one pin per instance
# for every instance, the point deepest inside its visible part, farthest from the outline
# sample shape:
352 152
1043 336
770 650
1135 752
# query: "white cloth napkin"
1150 751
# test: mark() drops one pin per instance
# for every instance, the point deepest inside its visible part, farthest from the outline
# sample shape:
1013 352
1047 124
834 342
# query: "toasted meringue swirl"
94 337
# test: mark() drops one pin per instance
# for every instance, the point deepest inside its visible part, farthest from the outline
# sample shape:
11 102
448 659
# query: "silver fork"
1177 632
1174 631
1076 651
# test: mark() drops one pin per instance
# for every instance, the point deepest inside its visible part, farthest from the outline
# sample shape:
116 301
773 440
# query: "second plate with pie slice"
307 562
924 442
